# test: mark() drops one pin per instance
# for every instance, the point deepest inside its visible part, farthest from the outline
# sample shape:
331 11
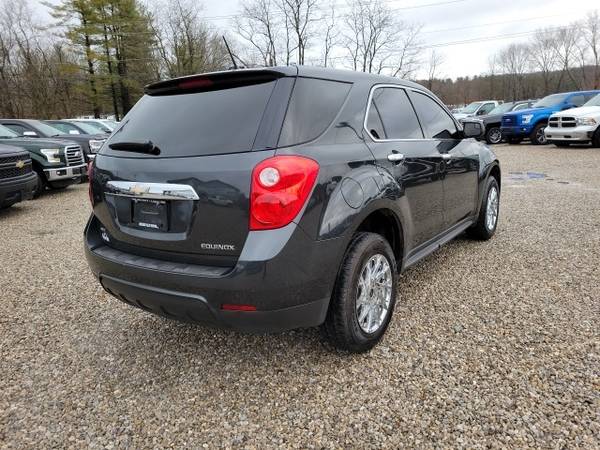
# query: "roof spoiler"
217 80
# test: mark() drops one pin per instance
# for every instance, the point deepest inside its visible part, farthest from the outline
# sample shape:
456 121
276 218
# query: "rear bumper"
577 134
65 173
521 131
289 290
17 189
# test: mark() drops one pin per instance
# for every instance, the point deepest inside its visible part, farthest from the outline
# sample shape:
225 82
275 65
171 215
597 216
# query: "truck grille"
562 122
14 166
74 156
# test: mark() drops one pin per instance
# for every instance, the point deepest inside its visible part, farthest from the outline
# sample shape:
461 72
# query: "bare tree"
591 37
435 61
542 56
260 26
300 17
513 61
331 35
565 47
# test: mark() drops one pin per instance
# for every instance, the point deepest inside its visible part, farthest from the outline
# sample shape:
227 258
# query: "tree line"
95 56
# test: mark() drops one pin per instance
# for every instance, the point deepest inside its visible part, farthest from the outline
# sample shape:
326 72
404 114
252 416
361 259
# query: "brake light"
195 83
90 174
280 187
233 307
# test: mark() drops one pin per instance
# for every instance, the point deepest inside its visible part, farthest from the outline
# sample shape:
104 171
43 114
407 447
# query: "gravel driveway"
492 344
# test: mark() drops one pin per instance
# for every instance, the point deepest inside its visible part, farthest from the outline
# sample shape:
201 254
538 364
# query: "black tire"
596 138
561 144
59 185
41 184
480 229
514 140
341 326
493 135
537 136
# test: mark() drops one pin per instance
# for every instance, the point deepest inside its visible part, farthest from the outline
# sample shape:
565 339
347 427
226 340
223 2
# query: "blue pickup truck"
530 123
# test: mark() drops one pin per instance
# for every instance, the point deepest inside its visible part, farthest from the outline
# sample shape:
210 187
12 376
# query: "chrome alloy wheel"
541 136
495 135
374 293
491 213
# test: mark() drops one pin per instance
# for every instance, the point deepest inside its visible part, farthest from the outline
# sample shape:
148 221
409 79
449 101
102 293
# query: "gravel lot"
492 344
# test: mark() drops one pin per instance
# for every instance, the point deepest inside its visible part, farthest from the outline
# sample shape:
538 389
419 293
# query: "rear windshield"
314 105
196 124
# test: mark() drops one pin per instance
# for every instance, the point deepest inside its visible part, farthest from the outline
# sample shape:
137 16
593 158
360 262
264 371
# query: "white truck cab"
579 125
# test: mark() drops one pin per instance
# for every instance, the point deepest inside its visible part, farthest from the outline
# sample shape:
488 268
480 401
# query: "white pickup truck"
579 125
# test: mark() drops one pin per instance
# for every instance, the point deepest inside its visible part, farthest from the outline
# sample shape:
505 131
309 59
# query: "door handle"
395 157
446 156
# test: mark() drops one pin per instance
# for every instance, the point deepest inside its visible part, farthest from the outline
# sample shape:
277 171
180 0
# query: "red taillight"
232 307
90 174
280 187
195 83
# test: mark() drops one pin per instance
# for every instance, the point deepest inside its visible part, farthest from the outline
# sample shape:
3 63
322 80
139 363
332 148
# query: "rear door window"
391 115
436 122
314 105
196 124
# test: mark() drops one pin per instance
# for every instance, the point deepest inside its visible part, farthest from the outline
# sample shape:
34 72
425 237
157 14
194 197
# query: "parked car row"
559 119
35 154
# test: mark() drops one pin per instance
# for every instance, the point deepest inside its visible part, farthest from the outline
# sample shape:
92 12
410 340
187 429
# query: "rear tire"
537 136
41 184
364 295
485 227
596 138
493 135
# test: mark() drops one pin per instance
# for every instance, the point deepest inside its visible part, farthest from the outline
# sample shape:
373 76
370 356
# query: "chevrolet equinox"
272 199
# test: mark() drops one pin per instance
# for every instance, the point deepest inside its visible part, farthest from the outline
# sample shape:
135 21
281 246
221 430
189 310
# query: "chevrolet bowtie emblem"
20 164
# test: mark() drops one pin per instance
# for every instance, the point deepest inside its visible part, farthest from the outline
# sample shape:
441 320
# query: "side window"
485 109
19 129
521 106
577 100
314 105
391 115
589 96
436 122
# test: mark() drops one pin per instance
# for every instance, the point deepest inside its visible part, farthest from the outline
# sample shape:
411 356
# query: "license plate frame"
150 215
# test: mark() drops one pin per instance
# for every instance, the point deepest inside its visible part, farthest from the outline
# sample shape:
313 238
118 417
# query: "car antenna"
230 54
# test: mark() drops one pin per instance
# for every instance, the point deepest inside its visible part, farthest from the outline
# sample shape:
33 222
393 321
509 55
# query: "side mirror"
472 129
481 112
30 134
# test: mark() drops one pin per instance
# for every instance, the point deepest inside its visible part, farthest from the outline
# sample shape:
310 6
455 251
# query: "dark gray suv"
271 199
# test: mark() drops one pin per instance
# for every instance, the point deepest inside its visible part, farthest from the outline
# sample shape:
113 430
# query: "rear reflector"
232 307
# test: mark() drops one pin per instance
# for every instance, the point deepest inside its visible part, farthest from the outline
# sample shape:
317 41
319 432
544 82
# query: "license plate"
150 214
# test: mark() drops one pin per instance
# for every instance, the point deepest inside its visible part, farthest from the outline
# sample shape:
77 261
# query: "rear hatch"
173 181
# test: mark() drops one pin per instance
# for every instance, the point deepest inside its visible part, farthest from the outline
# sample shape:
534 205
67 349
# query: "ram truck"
530 123
577 125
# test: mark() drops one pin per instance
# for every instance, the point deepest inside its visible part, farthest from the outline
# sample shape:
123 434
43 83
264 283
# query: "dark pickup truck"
56 163
17 178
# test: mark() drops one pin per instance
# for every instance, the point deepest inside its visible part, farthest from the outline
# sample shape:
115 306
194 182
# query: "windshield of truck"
501 109
470 109
6 133
595 101
551 100
47 129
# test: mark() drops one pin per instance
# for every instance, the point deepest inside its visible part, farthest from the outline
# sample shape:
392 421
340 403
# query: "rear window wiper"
138 147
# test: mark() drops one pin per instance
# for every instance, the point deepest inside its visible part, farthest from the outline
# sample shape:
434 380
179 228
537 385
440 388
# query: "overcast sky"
451 21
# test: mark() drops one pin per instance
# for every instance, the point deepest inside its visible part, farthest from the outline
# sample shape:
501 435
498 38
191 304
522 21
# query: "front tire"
596 138
41 184
364 295
537 135
487 222
493 135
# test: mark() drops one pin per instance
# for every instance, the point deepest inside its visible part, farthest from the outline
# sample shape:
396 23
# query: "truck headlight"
526 118
51 154
95 145
586 121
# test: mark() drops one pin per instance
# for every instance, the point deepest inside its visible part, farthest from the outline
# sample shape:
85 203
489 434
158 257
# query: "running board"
453 232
